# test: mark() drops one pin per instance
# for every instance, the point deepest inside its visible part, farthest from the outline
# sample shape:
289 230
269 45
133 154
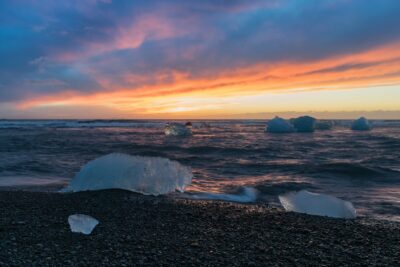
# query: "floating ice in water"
177 129
317 204
80 223
304 124
279 125
146 175
362 124
249 194
324 125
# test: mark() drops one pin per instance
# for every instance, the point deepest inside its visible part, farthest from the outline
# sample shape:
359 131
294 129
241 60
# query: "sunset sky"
199 59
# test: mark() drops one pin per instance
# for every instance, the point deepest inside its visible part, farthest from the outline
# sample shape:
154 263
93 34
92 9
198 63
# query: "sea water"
228 159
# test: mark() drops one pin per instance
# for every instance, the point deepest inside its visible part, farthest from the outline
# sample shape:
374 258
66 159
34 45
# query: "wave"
226 125
351 170
18 124
274 189
214 149
10 181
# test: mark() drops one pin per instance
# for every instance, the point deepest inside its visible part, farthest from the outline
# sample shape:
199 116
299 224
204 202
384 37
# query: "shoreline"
145 230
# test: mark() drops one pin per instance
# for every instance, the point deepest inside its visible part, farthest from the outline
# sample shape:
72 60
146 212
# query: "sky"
165 59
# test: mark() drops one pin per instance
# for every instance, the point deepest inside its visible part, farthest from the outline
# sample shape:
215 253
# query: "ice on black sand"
81 223
145 175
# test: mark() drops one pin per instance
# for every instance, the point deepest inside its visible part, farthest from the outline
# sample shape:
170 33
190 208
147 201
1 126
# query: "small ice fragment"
304 124
279 125
362 124
81 223
317 204
177 129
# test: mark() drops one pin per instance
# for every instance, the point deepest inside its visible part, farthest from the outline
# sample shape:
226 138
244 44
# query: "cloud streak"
82 52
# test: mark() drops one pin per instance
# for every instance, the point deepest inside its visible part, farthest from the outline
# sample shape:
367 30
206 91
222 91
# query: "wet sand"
146 230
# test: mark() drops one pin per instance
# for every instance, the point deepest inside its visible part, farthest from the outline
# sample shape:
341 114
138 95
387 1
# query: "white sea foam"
145 175
177 129
249 194
317 204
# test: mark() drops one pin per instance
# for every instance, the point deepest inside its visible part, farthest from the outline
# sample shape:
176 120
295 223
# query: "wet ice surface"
225 157
145 175
317 204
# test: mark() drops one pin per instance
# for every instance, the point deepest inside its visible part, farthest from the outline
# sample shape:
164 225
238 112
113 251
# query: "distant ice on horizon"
361 124
304 124
279 125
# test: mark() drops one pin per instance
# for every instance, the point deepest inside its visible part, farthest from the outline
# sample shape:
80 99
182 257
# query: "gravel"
146 230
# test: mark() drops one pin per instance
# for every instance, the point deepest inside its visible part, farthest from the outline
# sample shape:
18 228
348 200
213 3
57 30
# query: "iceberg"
81 223
177 129
304 124
279 125
362 124
145 175
317 204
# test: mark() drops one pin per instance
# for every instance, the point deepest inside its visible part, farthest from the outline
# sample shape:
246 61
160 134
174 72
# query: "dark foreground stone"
144 230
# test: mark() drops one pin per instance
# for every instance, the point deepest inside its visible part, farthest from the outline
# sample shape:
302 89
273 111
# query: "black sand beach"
145 230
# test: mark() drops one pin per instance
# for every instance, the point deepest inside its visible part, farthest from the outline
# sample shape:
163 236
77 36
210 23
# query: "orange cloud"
182 92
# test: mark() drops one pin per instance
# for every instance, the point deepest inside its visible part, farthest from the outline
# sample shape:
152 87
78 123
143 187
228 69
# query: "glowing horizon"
209 59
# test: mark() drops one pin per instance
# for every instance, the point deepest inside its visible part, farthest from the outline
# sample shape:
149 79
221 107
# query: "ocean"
230 159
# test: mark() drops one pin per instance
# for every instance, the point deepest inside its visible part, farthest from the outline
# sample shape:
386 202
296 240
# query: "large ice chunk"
146 175
362 124
177 129
279 125
317 204
81 223
304 124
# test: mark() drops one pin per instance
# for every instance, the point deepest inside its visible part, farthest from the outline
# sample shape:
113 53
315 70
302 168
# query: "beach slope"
146 230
